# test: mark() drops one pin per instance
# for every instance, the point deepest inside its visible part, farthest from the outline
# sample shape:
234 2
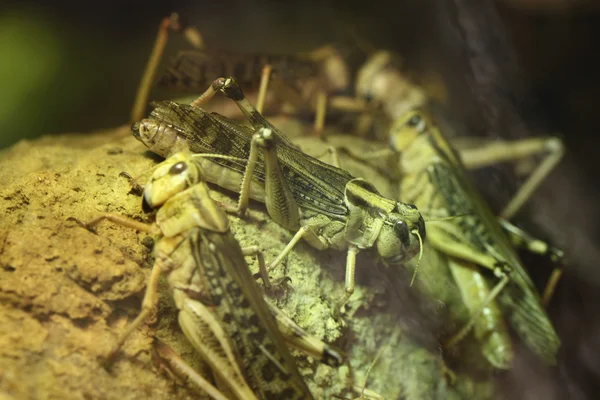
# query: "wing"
316 185
195 70
240 306
482 233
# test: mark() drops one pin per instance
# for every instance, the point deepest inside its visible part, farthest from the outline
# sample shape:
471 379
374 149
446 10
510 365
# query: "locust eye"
414 121
401 231
178 168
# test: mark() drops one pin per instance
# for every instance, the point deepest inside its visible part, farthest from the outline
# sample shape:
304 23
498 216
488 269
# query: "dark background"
74 66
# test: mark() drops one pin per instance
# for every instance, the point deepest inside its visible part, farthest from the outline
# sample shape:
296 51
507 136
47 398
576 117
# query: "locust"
323 204
479 247
222 311
381 84
305 81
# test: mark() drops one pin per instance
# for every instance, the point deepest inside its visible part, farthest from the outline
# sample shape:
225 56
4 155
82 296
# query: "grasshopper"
302 79
327 206
381 83
221 310
435 179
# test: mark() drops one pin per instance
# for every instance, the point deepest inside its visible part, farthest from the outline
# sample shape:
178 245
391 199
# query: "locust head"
396 229
406 129
402 234
178 190
159 137
412 139
170 177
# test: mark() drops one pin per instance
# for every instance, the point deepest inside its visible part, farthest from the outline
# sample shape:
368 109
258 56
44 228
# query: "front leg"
150 297
270 288
148 305
349 283
136 188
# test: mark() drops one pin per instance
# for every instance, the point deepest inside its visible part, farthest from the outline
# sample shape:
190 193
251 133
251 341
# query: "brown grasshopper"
325 205
435 179
303 81
221 310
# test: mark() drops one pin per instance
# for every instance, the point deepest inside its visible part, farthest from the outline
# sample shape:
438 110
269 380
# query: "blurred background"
74 66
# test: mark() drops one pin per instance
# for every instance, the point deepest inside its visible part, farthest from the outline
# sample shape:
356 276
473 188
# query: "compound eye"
414 121
401 231
178 168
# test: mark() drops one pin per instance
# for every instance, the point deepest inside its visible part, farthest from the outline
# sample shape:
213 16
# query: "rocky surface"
66 293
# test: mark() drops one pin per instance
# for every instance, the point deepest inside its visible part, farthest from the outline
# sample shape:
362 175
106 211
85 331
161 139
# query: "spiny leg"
247 178
279 200
511 151
522 239
183 369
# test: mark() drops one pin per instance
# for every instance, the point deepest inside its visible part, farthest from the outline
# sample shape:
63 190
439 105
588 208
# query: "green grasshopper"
221 310
434 178
327 206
